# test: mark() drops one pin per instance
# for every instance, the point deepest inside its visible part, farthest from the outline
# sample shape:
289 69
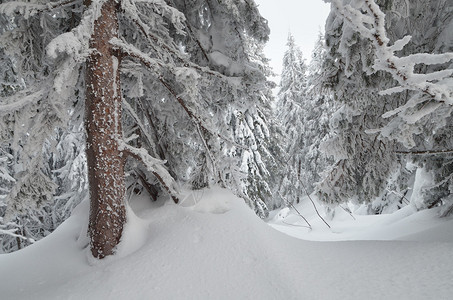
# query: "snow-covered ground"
218 249
407 224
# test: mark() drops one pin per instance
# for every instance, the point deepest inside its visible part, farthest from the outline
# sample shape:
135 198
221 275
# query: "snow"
407 224
401 68
423 179
213 247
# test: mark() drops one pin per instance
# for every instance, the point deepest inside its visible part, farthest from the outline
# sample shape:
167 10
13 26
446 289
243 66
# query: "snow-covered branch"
156 66
19 100
196 118
160 7
31 8
426 152
367 19
11 232
153 165
140 124
133 51
76 42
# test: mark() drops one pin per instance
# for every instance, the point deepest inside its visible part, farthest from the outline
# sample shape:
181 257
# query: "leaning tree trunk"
103 127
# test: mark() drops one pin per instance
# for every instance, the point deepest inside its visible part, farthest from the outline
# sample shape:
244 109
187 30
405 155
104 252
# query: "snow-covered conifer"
290 112
319 106
180 73
362 162
409 78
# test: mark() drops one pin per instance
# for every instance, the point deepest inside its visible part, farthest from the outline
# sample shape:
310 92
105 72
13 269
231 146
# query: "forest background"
186 103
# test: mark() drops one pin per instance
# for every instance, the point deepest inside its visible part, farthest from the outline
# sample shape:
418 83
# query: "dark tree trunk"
103 127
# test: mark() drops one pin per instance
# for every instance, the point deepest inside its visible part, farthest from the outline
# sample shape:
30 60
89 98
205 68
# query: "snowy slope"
218 249
407 224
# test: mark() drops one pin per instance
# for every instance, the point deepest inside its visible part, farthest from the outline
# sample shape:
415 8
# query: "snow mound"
406 224
170 251
135 235
207 201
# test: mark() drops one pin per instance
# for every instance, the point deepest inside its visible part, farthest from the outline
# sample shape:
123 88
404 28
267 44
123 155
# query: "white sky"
303 18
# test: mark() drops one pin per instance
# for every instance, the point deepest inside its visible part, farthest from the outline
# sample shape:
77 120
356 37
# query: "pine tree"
290 112
304 108
426 132
320 107
362 162
358 37
168 76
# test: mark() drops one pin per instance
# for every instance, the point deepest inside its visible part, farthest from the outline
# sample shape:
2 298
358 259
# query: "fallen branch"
295 225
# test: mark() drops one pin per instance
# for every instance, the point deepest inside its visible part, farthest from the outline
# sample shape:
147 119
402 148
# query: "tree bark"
103 128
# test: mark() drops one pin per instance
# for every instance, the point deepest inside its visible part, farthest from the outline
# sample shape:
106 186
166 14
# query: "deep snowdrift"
407 224
218 249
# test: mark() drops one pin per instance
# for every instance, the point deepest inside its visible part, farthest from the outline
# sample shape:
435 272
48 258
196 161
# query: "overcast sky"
303 18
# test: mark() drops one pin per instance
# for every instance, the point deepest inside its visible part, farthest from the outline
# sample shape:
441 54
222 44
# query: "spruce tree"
171 92
290 113
319 107
363 38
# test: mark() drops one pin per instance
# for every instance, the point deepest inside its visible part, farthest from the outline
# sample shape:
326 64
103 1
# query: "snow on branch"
32 191
133 13
153 165
159 44
162 45
426 152
31 8
156 66
19 100
176 17
140 124
132 51
4 174
76 42
198 121
11 232
367 19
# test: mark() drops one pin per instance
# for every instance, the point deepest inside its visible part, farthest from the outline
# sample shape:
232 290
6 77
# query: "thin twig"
289 203
312 202
349 212
296 225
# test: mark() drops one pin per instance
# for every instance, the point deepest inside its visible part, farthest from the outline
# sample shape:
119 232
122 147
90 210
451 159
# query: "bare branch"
152 191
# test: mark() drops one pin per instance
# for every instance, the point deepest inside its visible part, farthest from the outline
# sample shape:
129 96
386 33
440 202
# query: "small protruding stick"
312 202
289 203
